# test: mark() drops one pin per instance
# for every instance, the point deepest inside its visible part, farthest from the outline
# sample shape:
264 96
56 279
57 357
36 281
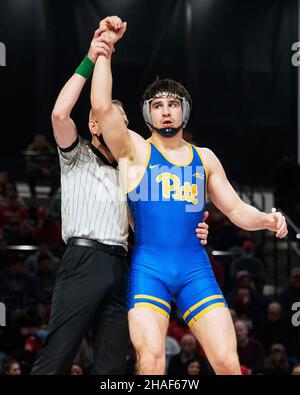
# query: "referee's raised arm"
64 128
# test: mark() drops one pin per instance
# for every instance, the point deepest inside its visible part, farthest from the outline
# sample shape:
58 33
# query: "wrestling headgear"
166 89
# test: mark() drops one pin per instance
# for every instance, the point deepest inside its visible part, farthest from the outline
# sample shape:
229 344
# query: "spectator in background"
291 294
194 368
32 346
24 323
172 348
4 179
12 207
250 351
296 370
243 279
41 162
178 363
217 268
11 367
4 256
248 306
17 288
247 261
245 371
277 363
47 228
31 262
276 328
22 234
76 370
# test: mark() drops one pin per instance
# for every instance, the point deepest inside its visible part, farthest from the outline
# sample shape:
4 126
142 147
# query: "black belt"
110 249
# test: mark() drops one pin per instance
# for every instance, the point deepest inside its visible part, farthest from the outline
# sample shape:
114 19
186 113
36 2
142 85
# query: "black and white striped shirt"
92 204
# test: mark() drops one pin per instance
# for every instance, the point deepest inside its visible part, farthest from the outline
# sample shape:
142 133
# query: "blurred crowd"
268 343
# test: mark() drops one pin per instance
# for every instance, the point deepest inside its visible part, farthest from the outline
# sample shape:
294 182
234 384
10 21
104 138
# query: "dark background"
234 56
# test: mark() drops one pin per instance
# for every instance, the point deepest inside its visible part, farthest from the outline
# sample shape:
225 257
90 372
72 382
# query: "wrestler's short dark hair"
165 85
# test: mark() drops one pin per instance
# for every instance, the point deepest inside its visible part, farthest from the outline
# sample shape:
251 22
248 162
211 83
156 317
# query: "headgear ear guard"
167 132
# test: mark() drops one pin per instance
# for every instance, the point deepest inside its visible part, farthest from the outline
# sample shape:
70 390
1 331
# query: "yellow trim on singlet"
153 298
195 306
201 314
151 306
205 169
173 163
135 185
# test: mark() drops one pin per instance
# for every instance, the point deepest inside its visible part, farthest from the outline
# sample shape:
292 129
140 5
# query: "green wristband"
85 68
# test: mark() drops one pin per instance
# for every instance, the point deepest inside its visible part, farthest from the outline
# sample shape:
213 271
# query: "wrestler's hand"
100 45
114 26
202 230
276 223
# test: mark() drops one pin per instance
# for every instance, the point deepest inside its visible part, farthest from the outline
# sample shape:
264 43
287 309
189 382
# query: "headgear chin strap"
167 132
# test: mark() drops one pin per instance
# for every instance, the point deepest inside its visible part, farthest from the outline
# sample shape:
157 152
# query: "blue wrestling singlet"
168 260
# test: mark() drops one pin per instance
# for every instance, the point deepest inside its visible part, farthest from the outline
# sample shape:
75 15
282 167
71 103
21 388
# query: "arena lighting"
223 253
2 55
298 236
22 248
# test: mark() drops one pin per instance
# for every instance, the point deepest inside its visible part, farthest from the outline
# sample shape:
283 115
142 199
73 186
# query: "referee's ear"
93 126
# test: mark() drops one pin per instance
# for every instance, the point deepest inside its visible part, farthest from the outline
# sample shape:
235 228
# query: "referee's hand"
100 45
202 230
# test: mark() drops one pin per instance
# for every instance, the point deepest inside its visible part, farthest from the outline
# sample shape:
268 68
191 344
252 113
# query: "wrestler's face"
166 112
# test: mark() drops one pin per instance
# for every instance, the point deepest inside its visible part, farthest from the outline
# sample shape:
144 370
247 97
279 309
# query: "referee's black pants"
90 291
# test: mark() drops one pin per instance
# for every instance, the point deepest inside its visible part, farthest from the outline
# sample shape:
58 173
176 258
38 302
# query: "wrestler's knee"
226 363
151 356
151 363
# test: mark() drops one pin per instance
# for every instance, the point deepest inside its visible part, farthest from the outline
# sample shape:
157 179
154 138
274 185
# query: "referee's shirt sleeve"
68 155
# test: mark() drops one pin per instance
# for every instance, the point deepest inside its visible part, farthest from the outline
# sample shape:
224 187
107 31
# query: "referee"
91 284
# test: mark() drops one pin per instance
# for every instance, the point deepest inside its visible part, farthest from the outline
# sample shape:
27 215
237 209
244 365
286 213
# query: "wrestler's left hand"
276 223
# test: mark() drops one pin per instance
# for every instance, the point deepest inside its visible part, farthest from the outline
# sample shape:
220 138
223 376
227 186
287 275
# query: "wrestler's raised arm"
109 118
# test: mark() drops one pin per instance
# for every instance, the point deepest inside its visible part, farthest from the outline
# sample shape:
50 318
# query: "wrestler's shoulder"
138 140
141 147
208 156
205 152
